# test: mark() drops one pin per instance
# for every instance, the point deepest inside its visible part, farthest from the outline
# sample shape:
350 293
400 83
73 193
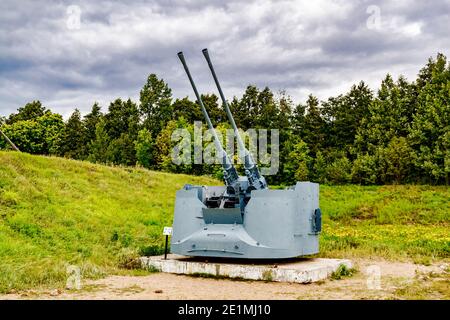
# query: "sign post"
167 232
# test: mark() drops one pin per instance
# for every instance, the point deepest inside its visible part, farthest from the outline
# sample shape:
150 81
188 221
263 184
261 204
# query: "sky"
70 54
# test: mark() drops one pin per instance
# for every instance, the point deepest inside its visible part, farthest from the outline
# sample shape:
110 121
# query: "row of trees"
400 134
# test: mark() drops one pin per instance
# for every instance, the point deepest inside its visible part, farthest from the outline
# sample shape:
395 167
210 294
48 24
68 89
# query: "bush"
339 172
364 170
129 259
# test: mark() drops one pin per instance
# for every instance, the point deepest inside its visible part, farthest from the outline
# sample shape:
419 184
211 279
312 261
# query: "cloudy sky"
71 53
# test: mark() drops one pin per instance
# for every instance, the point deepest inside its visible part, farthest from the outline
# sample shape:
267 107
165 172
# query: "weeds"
342 272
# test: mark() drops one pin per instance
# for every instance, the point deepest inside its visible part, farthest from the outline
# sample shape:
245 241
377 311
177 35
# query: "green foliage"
344 113
320 167
401 134
389 115
313 129
339 171
342 272
173 148
90 122
364 170
38 136
155 104
395 161
72 141
121 151
298 161
31 111
144 148
99 146
430 128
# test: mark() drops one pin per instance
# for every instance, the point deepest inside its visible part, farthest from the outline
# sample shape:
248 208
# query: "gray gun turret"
244 219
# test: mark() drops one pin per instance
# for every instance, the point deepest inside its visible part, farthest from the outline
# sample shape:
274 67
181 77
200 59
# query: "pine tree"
313 130
343 115
99 145
245 110
155 104
91 120
389 115
72 142
429 133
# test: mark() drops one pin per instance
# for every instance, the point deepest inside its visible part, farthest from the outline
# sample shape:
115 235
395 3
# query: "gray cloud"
319 47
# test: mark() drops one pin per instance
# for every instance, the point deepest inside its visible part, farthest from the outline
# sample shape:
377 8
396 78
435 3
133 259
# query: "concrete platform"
300 270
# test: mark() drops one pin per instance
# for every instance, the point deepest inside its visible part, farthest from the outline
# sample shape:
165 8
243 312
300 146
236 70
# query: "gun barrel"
251 169
230 172
241 145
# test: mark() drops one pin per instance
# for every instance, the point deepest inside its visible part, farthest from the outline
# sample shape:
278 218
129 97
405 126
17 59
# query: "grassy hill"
56 212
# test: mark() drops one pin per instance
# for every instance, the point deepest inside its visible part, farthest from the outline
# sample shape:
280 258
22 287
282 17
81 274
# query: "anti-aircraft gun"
244 218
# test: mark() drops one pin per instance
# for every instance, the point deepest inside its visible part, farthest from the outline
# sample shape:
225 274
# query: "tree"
343 115
122 117
266 111
365 169
121 124
90 122
285 107
297 162
144 148
313 130
72 142
99 146
429 133
298 118
122 150
53 126
395 161
320 168
216 113
245 110
187 109
389 115
37 136
339 171
31 111
164 148
27 135
155 104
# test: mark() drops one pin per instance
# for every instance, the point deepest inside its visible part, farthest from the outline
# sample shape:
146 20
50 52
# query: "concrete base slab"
300 270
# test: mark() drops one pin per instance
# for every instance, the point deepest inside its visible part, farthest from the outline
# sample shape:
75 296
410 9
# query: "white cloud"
319 47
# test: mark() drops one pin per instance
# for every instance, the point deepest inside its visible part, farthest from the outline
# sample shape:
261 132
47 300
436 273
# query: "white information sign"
167 231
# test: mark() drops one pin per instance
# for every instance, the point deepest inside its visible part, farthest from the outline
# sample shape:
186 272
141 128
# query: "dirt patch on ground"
396 281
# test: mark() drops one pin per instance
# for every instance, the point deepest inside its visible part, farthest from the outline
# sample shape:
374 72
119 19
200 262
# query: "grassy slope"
55 212
394 222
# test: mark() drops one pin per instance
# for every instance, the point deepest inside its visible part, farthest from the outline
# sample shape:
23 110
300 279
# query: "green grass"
56 212
393 222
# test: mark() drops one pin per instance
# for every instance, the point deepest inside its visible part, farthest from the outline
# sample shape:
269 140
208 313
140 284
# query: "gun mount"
244 218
